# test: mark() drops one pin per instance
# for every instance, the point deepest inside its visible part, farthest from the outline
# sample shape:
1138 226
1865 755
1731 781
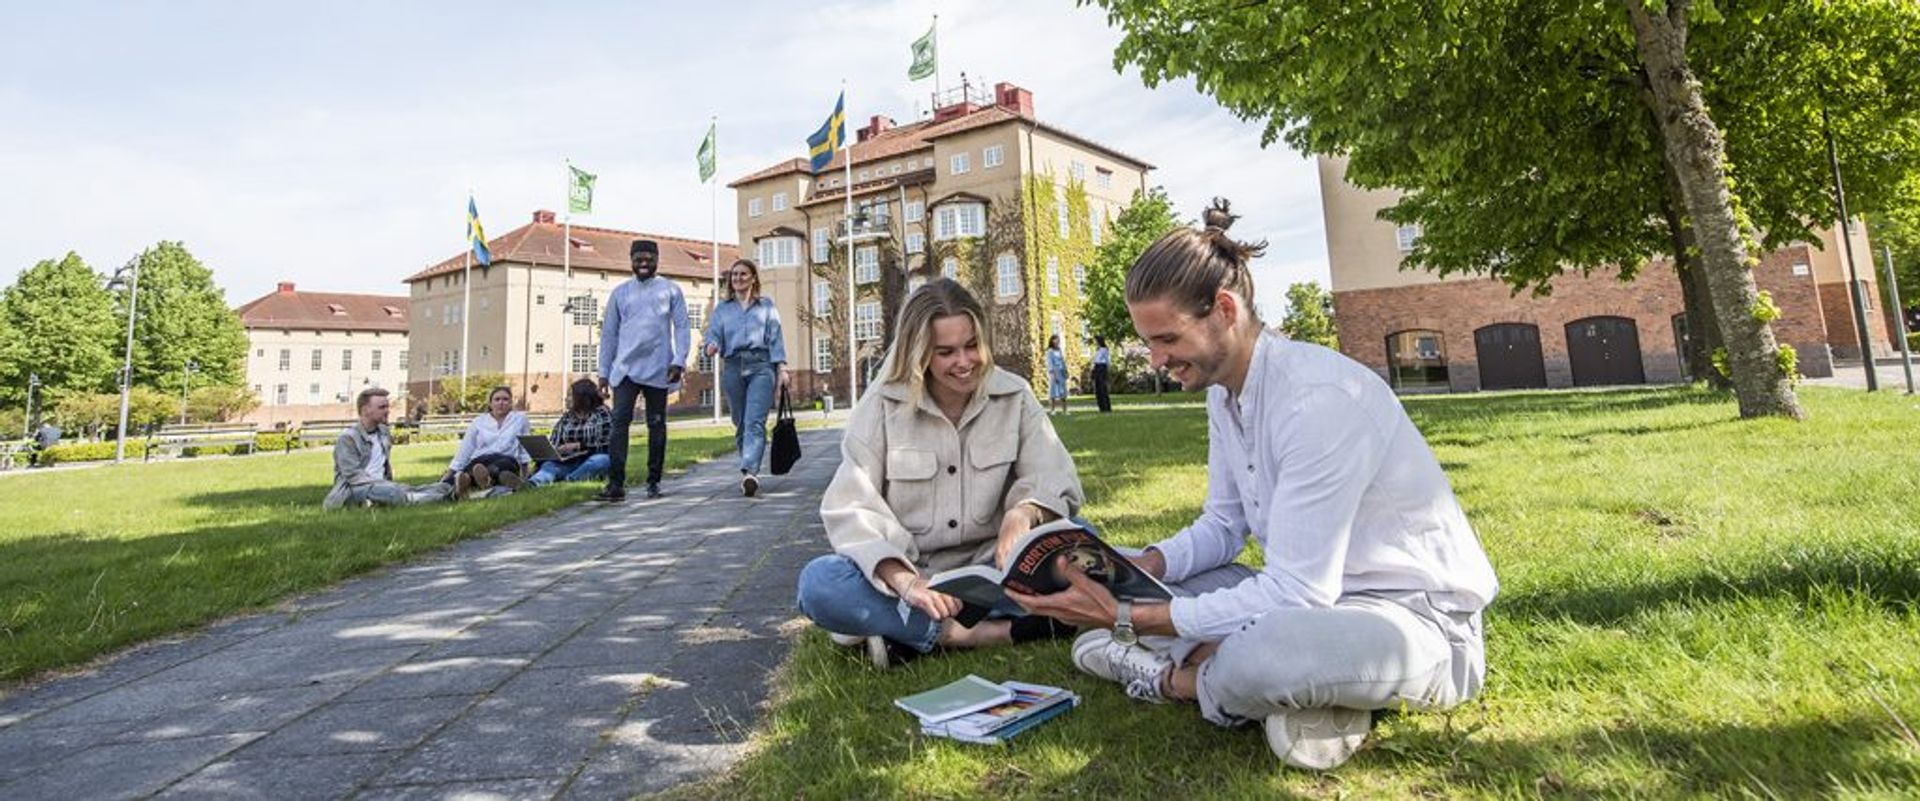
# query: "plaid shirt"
593 433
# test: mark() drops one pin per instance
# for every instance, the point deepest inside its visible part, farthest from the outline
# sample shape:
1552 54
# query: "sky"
334 144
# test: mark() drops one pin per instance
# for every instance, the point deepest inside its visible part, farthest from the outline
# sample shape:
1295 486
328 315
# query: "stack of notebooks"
975 710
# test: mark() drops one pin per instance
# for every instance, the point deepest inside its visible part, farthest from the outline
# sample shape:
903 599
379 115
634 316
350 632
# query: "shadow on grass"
1888 579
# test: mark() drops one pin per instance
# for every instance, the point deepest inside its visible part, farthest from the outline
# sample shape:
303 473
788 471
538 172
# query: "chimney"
543 216
1013 98
878 125
286 288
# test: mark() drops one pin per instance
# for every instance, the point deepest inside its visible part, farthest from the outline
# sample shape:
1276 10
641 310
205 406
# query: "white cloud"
342 161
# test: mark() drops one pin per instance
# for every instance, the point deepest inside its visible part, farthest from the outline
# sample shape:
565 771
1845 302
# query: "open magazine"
1031 569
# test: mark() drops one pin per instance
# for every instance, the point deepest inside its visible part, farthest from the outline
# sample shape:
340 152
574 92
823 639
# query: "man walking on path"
1373 581
643 351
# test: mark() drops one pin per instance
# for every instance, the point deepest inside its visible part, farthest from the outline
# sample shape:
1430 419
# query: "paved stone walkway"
598 652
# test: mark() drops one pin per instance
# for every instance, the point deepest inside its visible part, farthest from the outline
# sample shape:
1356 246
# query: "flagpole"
846 216
713 217
936 62
466 319
566 287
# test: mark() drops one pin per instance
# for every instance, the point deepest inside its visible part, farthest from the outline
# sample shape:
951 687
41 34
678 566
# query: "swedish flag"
822 143
477 238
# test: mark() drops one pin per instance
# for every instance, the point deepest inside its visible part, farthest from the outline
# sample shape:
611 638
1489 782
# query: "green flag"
923 57
580 191
706 155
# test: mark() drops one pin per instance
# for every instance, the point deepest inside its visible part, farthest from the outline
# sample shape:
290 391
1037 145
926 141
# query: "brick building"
310 353
1466 333
982 192
521 321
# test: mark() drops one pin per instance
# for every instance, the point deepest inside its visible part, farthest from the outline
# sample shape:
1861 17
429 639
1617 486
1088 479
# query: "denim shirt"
644 333
734 329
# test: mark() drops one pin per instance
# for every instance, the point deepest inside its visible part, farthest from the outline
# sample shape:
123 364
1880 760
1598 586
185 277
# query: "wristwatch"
1123 624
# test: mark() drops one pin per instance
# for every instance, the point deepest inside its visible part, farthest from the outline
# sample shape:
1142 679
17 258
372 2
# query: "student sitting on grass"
1373 582
581 438
362 471
943 454
490 450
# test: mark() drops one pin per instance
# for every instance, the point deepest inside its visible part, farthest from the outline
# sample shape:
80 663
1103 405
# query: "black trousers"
497 464
1100 388
624 396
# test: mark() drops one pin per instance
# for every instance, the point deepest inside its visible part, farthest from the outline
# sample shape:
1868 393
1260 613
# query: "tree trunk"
1703 327
1697 152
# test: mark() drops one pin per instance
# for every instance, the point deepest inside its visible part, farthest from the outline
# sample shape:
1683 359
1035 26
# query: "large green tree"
182 316
1537 136
56 321
1310 315
1145 219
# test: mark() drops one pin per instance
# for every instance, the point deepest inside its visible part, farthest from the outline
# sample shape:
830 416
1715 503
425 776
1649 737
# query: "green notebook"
965 696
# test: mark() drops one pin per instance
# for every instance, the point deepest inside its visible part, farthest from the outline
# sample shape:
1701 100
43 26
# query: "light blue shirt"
644 333
734 328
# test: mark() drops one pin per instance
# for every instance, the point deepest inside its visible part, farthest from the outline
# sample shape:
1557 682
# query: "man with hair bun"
1373 584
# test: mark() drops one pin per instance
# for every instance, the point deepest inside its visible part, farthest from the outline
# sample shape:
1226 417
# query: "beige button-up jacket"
913 486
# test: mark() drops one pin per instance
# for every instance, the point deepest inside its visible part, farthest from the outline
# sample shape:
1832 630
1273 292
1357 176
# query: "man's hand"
1153 562
601 382
712 349
674 373
1084 603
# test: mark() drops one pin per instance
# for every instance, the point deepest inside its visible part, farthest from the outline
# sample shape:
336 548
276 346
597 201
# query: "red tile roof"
602 249
329 311
920 135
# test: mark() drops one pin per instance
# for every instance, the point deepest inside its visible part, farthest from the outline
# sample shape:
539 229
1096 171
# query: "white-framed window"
1080 279
286 359
259 353
1054 328
822 355
1077 171
863 175
915 283
991 157
315 362
866 265
586 310
822 248
346 358
484 353
950 268
1006 272
1053 276
1093 224
955 220
403 360
866 320
706 396
1408 236
696 317
539 349
822 297
1066 226
753 207
896 169
959 164
376 359
485 303
313 393
915 211
1103 177
539 300
916 242
779 201
780 251
585 359
705 365
280 394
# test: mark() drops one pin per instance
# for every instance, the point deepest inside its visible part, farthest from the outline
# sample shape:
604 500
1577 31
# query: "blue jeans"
748 380
836 596
592 467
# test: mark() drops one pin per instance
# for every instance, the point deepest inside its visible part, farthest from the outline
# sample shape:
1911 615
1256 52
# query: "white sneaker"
846 640
1138 668
1318 739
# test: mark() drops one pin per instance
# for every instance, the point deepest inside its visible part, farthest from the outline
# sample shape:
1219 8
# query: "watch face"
1124 635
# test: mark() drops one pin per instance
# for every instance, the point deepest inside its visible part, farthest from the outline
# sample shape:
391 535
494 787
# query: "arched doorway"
1417 360
1509 355
1604 351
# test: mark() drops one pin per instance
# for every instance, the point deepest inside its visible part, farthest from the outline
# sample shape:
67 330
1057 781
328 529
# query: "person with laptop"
577 449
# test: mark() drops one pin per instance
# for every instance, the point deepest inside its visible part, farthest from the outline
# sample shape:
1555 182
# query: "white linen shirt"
644 333
489 437
1318 460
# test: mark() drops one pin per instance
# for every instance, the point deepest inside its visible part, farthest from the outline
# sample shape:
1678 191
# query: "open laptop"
540 448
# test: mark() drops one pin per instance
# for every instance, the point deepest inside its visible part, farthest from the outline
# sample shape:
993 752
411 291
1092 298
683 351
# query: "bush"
90 452
1913 340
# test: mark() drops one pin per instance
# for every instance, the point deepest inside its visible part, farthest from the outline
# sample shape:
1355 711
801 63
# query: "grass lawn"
95 559
1691 606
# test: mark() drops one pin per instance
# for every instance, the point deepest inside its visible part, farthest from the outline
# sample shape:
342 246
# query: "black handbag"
786 438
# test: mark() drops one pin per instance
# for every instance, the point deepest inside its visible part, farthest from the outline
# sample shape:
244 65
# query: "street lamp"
33 383
187 369
858 229
129 276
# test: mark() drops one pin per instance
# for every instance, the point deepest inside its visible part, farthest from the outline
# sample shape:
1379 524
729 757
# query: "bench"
438 425
317 432
543 422
178 438
12 451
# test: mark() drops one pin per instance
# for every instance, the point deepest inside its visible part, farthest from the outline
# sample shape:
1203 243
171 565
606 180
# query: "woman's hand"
567 448
917 591
784 378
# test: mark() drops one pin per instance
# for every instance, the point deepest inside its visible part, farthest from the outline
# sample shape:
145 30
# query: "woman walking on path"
1056 376
490 450
1102 366
745 333
581 437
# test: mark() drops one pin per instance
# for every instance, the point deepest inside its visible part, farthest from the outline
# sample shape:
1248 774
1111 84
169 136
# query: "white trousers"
1368 651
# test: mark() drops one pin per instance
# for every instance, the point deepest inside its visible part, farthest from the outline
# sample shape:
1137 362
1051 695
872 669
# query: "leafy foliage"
1310 315
56 321
1144 220
182 316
